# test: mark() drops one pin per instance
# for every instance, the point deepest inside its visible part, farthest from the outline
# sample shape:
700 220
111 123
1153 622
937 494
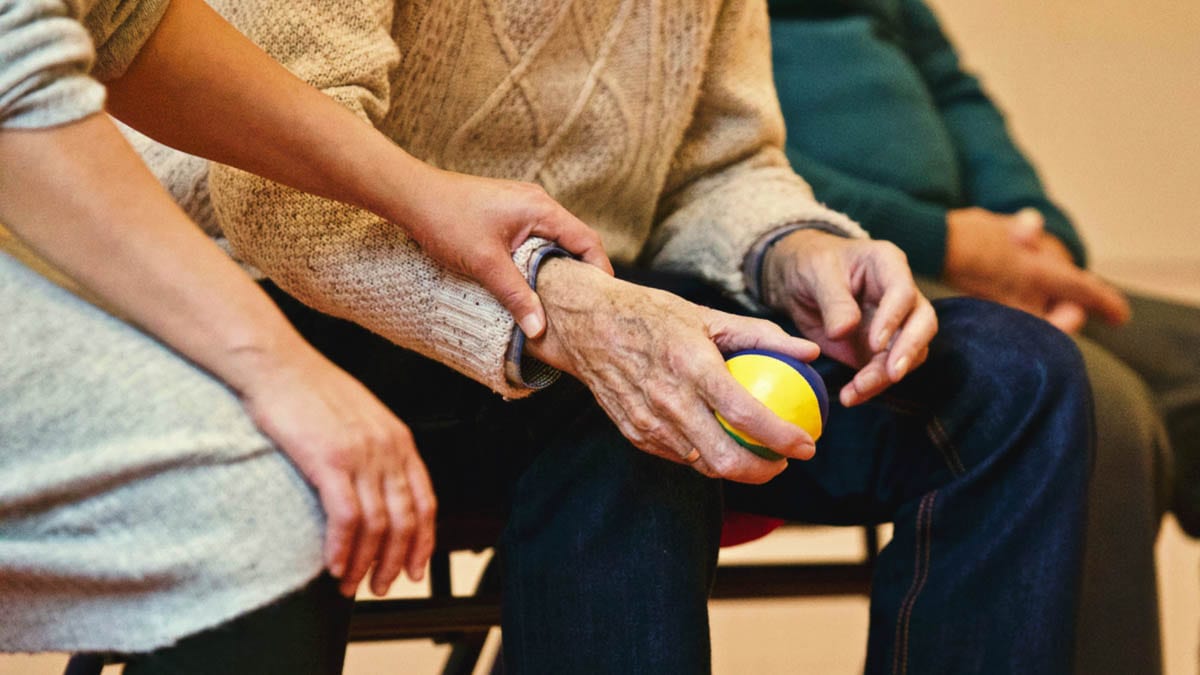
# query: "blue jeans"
980 458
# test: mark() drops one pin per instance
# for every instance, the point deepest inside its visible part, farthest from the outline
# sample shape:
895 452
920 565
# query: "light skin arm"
200 86
1012 260
84 201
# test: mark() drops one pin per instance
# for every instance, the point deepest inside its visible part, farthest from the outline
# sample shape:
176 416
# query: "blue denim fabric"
980 458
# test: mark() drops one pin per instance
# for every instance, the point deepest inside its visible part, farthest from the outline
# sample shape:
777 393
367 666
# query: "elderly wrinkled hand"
654 363
856 298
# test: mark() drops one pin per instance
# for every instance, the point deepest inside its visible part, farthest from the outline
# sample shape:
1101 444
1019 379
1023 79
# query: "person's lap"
1159 345
603 535
1118 619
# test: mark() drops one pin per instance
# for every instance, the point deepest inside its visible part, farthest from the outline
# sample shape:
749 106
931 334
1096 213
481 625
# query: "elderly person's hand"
1012 260
654 362
856 298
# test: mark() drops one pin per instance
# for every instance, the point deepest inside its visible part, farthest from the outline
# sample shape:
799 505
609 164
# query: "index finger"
1088 290
571 233
914 337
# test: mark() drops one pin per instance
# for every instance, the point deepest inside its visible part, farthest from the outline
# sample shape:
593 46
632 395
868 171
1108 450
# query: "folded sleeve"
55 53
46 56
730 183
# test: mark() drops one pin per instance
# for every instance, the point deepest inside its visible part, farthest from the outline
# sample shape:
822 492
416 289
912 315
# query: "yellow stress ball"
789 388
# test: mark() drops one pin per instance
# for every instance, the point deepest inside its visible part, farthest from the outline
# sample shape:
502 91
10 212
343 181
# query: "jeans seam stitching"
941 440
924 541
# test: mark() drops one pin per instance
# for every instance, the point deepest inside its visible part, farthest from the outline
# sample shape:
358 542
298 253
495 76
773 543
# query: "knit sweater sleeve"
342 260
730 184
996 174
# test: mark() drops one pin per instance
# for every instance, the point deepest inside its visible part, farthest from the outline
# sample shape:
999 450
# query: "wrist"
392 183
251 361
570 292
778 264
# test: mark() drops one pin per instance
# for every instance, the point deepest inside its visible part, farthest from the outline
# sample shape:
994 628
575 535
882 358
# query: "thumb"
1068 317
1026 226
504 281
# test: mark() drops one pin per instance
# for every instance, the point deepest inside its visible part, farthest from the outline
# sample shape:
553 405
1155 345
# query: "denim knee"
1000 370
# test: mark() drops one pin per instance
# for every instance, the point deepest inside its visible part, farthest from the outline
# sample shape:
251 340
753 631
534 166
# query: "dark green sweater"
886 126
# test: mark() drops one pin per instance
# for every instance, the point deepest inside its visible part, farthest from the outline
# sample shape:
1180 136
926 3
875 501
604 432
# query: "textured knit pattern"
49 61
138 503
654 122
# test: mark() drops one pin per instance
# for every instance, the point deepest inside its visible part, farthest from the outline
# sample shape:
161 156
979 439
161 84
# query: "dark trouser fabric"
980 458
303 633
1162 345
1128 494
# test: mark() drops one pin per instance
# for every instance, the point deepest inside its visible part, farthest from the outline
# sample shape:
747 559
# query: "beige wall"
1105 96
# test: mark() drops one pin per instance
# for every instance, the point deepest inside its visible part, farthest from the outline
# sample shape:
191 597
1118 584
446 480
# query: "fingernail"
337 569
900 368
806 450
882 337
531 325
867 381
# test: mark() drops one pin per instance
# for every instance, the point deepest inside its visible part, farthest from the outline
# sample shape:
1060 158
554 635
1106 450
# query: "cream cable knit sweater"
655 122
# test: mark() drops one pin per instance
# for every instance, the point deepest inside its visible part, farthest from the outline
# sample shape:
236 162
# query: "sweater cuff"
45 56
752 265
521 369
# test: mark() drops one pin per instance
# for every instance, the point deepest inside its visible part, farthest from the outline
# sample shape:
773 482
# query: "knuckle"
427 510
643 421
402 436
405 528
724 465
375 522
344 515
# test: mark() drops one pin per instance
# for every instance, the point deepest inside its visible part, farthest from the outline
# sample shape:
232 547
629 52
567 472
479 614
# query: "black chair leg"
466 650
85 664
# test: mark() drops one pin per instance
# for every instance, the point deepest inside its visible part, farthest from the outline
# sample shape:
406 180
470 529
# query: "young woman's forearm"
200 86
83 200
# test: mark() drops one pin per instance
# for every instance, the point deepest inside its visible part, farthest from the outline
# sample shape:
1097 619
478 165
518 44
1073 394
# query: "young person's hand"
200 86
379 503
159 271
472 225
